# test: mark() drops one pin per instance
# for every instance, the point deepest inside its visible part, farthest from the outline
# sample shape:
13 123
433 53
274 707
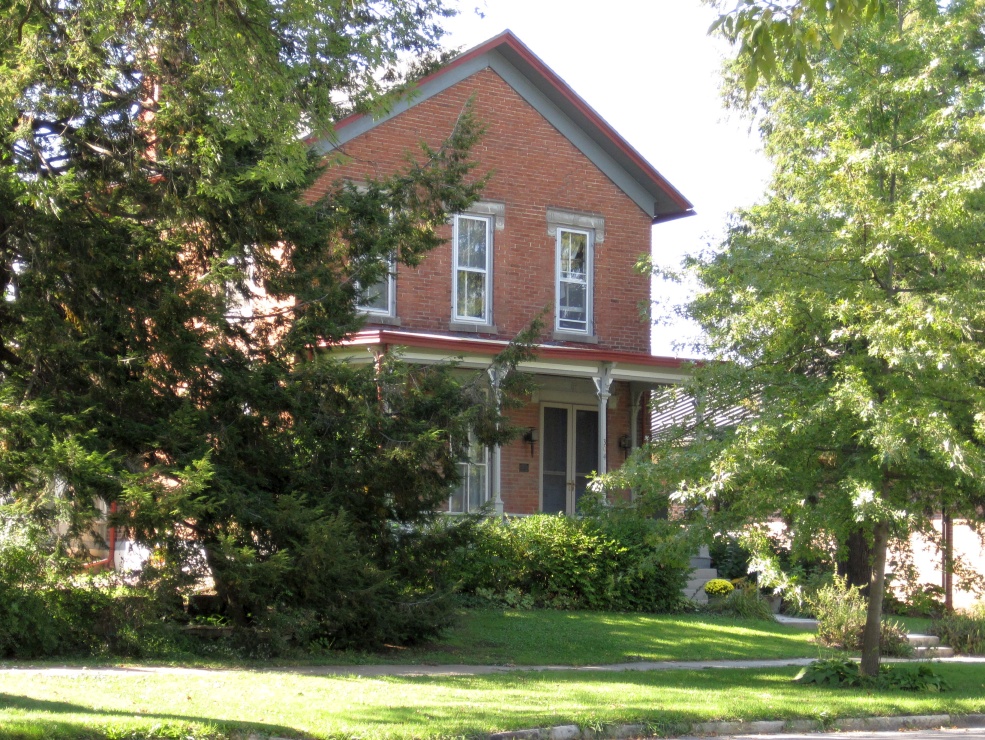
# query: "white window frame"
589 283
465 467
391 285
487 272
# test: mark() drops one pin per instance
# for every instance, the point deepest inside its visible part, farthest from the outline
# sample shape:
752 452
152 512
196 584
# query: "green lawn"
916 625
35 706
546 637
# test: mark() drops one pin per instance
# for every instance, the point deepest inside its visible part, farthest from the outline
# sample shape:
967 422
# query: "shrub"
45 610
924 600
746 603
841 612
838 672
615 560
963 631
729 557
718 588
842 673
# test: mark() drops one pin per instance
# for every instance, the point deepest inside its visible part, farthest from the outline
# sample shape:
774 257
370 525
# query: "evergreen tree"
152 179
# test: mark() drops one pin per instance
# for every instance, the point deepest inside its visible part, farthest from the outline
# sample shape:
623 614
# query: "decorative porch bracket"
495 376
602 384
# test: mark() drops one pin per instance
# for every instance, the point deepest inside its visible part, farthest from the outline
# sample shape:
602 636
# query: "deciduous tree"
844 314
788 32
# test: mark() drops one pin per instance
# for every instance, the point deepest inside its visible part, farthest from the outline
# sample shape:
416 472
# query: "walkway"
370 671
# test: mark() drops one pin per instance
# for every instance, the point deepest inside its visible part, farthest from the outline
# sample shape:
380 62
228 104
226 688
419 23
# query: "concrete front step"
695 586
924 646
929 646
933 652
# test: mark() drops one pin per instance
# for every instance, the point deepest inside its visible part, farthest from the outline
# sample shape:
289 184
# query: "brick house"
563 220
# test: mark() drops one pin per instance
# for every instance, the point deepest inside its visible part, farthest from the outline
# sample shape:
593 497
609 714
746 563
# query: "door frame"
571 472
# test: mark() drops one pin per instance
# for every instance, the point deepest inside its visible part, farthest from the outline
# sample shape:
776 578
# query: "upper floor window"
576 234
472 269
379 298
574 281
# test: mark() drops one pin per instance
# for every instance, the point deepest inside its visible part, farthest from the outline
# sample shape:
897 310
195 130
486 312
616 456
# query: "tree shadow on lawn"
618 637
517 701
672 699
16 728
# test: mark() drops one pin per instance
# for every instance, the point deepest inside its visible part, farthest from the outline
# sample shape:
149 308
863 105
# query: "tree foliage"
152 181
845 312
771 35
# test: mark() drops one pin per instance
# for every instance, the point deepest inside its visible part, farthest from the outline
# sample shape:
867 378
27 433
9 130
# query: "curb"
767 727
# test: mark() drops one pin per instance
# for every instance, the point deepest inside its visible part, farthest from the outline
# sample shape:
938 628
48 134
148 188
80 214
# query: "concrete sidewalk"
371 671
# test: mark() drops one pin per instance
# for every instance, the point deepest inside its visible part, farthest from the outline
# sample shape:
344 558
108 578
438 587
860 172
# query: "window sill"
379 318
571 336
473 328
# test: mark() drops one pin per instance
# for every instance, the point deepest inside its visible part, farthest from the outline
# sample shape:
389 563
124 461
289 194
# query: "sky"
649 68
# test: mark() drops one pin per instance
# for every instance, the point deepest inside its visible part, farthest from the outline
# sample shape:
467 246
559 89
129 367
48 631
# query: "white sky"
650 70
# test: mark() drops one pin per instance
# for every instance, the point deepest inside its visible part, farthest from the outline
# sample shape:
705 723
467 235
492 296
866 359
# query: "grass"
914 625
225 704
546 637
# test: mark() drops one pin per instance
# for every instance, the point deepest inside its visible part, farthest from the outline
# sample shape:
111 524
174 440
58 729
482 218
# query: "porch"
588 413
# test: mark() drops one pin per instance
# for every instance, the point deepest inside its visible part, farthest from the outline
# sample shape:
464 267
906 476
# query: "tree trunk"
873 618
858 565
947 566
234 607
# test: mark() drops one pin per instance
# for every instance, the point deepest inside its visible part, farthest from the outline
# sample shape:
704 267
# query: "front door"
569 453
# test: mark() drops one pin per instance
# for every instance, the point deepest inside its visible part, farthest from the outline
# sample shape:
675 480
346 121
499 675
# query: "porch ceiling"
577 362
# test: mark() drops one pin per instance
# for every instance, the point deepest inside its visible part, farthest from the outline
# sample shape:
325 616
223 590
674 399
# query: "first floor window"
471 292
574 281
473 489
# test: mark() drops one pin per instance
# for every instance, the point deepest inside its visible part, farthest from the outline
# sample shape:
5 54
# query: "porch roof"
469 352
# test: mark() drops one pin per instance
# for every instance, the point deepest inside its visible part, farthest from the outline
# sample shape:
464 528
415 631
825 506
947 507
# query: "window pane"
574 249
471 295
377 296
573 309
456 501
477 487
472 243
472 491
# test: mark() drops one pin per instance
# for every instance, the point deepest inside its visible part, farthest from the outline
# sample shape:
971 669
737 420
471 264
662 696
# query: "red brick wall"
521 491
533 166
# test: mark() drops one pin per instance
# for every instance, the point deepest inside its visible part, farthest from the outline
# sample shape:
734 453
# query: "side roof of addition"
564 109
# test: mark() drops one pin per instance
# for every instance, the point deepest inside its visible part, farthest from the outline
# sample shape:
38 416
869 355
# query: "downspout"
110 560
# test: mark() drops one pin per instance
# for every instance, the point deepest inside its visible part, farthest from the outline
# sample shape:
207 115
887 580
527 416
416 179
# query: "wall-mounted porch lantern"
531 437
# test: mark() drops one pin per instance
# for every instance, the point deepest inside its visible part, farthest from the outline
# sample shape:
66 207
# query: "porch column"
496 477
636 394
602 384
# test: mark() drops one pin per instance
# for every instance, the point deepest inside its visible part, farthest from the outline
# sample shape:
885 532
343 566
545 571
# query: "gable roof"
551 96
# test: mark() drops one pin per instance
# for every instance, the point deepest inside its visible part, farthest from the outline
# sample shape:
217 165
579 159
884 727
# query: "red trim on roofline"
465 345
507 38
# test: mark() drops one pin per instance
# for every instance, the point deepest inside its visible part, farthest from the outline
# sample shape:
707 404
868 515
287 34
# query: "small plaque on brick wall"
524 467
